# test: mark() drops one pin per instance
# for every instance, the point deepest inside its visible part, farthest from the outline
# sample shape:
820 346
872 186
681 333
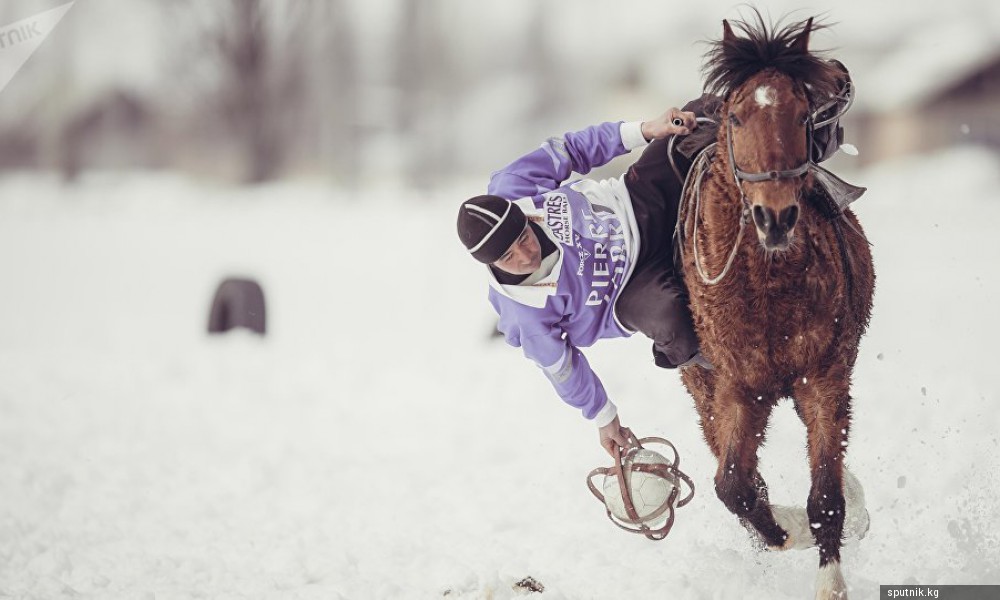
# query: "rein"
694 178
700 167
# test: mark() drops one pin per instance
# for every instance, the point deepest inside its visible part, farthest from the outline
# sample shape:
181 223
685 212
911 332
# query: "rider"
569 264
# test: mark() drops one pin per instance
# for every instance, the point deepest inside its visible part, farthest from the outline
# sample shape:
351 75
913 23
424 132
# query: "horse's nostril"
762 218
789 217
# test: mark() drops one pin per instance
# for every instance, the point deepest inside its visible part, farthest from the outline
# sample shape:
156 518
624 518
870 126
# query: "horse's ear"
801 41
728 37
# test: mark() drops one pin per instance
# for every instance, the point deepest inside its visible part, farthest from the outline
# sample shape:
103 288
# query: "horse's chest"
768 324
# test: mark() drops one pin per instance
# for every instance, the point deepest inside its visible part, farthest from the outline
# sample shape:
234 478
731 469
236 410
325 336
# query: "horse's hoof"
788 545
857 521
795 522
830 584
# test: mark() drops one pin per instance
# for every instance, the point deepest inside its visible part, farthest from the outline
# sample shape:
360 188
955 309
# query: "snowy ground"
377 444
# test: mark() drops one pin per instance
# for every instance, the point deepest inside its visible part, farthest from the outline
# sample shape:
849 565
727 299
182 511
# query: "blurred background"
420 92
374 439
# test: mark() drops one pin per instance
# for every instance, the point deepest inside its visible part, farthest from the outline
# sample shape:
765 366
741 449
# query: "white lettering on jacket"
558 218
607 253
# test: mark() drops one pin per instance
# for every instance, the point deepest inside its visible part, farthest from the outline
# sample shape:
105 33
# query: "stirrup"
836 192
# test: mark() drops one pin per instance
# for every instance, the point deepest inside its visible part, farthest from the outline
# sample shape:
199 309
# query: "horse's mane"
728 65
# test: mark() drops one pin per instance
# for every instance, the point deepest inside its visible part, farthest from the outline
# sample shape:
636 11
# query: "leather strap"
624 467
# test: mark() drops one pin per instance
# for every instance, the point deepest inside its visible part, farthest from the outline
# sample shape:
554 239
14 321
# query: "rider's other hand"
663 125
613 434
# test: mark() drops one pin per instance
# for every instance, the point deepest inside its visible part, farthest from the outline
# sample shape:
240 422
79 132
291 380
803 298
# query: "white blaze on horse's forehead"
765 96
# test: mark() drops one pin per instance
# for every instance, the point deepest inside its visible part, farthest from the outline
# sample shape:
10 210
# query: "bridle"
843 100
845 96
740 175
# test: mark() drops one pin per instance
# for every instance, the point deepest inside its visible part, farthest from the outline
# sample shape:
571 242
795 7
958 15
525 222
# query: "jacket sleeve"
537 333
549 166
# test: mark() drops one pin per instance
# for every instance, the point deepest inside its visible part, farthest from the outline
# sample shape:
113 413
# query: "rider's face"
524 256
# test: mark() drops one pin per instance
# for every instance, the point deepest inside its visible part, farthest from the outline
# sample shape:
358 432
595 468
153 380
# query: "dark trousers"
655 300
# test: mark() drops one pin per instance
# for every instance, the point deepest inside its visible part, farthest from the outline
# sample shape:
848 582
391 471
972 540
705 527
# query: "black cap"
489 225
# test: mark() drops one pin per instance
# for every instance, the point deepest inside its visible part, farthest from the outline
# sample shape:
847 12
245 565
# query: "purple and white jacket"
593 227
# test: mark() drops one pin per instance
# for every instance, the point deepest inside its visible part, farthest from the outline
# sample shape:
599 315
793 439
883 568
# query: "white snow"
377 443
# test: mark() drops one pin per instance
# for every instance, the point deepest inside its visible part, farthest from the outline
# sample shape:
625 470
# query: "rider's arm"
536 332
549 166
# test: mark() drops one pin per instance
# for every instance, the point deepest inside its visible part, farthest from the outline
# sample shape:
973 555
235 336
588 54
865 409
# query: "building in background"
952 101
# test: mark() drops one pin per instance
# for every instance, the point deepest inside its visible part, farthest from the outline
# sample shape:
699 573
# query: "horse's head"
768 78
767 122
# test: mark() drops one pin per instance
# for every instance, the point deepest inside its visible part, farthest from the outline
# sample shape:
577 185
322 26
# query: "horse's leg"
825 406
739 422
700 383
856 518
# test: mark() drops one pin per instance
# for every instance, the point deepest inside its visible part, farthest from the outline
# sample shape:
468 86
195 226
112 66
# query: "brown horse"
780 313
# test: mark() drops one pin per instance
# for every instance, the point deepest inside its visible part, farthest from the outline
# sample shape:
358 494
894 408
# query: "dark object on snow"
531 584
237 303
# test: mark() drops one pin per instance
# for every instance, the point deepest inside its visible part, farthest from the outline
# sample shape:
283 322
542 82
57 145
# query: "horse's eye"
804 119
734 120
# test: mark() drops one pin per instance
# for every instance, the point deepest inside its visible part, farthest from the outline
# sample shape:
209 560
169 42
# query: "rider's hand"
611 434
663 126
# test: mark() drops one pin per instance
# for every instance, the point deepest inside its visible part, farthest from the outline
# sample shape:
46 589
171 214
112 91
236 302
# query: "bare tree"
336 82
538 61
257 49
426 84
